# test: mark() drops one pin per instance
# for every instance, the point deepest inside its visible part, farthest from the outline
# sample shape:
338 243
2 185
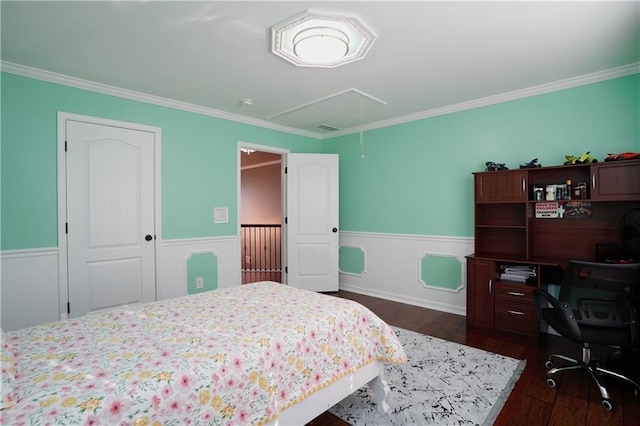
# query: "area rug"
443 383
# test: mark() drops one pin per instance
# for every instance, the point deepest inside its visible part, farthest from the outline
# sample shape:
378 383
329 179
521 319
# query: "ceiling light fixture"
323 40
322 45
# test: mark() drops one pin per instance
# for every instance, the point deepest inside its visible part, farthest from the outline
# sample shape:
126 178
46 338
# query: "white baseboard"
404 299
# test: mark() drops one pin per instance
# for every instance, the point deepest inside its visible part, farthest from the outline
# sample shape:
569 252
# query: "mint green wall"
199 169
416 177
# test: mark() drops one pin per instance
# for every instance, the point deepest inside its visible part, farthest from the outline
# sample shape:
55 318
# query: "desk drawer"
516 317
519 293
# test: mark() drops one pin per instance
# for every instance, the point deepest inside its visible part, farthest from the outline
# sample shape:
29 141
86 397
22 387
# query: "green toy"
584 158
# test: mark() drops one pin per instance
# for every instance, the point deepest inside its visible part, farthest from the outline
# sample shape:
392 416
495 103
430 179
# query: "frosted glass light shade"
320 45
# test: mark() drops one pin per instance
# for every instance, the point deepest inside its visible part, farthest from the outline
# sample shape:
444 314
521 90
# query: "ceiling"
253 159
429 57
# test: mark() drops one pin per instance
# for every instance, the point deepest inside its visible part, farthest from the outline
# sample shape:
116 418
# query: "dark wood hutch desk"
509 231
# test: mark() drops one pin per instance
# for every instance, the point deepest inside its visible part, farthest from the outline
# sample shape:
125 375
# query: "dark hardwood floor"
575 401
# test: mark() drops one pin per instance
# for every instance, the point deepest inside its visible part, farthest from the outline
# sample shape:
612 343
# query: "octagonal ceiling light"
312 39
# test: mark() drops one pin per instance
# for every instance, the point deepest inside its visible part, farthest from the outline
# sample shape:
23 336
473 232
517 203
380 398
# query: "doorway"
308 219
260 218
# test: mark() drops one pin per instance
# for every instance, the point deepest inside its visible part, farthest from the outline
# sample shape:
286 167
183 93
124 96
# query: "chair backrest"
602 294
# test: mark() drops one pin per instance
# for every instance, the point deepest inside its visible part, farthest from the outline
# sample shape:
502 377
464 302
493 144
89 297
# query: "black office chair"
598 304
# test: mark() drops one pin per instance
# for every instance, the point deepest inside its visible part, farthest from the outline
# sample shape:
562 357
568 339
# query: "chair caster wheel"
548 363
607 404
552 383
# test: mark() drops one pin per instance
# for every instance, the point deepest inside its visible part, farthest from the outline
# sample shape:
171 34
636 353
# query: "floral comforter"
234 356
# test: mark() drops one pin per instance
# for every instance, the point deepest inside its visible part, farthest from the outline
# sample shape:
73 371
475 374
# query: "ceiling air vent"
327 127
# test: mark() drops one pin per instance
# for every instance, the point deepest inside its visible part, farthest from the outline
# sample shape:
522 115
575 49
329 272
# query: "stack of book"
518 273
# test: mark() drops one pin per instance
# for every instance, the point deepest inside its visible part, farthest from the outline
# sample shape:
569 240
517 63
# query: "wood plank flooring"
575 401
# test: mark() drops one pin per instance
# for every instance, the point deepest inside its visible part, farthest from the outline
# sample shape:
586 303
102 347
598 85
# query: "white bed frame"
319 402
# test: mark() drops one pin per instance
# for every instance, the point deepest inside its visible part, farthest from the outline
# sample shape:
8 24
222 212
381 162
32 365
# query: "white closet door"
312 221
110 216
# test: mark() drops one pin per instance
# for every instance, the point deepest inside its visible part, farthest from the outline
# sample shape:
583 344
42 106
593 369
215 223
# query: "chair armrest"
563 313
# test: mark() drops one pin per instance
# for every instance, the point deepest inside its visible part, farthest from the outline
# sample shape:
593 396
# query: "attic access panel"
339 111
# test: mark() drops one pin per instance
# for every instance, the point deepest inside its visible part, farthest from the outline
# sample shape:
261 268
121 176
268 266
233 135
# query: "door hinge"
66 227
286 269
65 146
286 220
285 170
68 308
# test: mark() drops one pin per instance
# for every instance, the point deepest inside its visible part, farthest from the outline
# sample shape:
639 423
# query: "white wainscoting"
171 280
393 268
30 294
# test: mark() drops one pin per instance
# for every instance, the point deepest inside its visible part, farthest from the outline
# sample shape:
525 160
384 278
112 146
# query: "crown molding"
568 83
105 89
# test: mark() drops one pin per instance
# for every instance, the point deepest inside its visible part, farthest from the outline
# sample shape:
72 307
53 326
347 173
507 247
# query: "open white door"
110 216
312 221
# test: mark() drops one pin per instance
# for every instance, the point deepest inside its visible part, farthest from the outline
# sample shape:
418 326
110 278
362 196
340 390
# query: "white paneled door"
312 221
110 216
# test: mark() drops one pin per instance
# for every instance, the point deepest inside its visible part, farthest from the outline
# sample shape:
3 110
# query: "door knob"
335 230
148 237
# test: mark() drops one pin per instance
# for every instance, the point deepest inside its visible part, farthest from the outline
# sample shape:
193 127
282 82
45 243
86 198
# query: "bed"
262 353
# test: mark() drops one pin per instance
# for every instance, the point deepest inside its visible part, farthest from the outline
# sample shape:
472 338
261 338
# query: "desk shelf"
506 229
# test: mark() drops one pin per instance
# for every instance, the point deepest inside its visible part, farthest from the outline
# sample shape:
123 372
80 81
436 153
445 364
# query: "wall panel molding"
364 261
393 268
172 276
429 284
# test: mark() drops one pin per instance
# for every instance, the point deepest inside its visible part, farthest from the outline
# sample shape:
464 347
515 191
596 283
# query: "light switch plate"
220 215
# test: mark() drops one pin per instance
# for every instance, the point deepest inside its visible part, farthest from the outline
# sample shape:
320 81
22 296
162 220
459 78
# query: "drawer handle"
515 312
514 293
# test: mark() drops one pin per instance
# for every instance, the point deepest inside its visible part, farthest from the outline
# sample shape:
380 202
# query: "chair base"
592 366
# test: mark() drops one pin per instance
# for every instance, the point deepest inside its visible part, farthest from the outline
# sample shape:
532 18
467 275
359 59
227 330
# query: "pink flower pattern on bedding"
234 356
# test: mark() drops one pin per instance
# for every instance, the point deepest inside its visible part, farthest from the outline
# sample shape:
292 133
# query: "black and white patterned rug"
443 383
